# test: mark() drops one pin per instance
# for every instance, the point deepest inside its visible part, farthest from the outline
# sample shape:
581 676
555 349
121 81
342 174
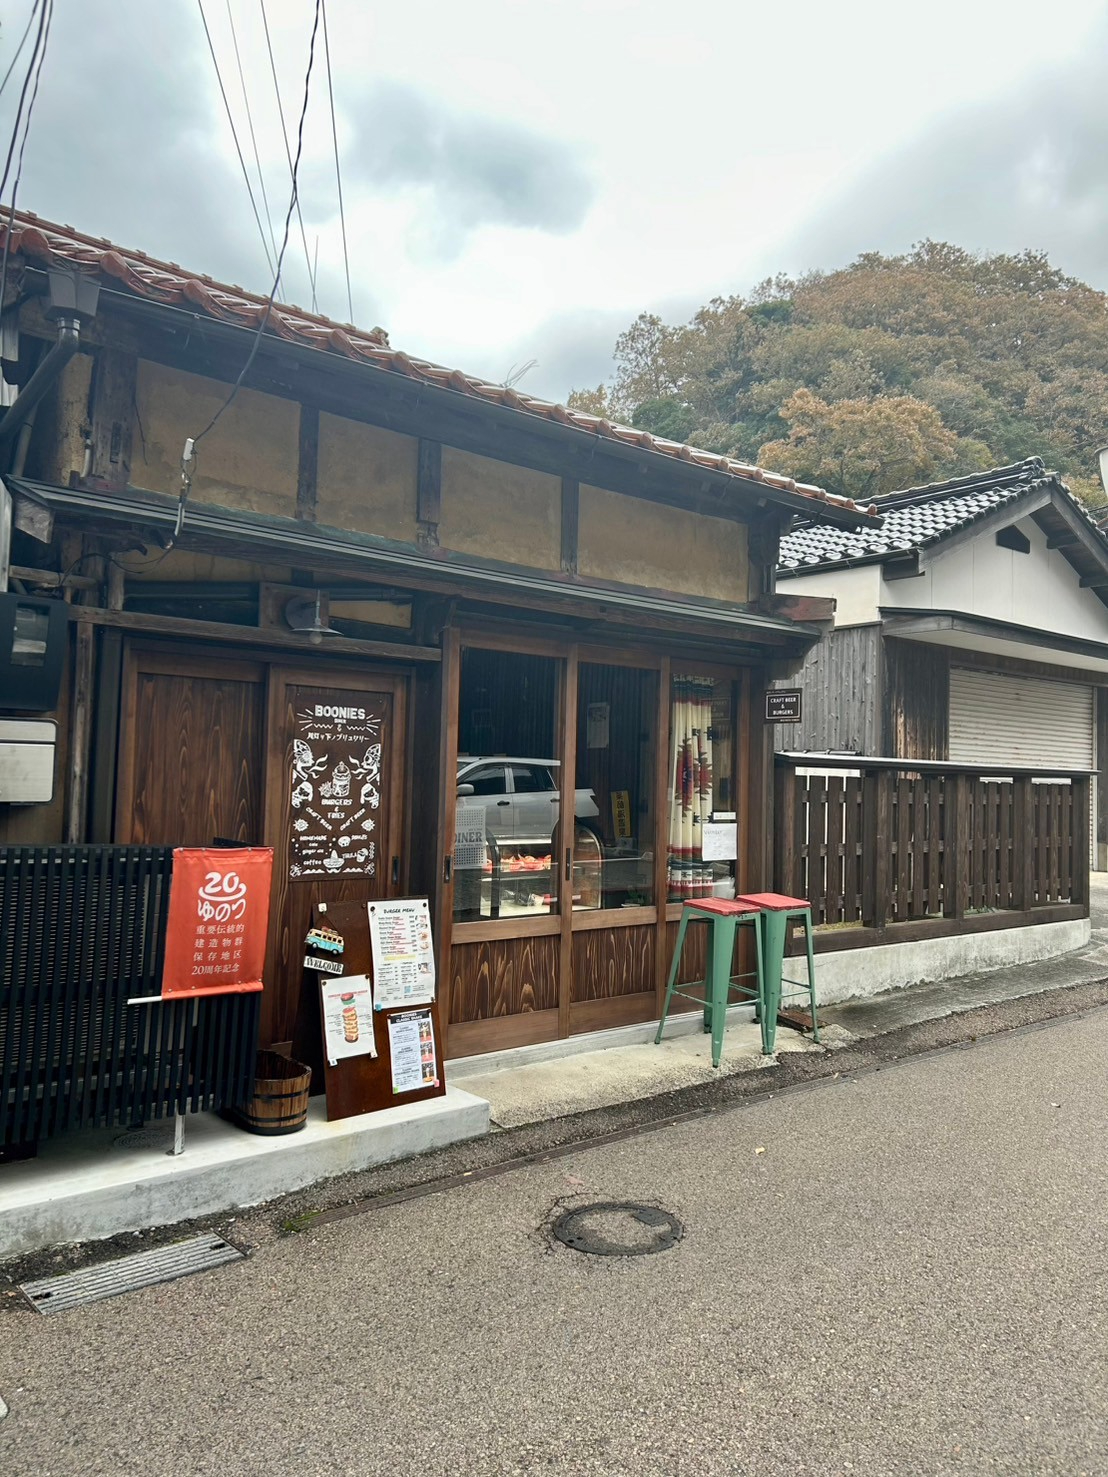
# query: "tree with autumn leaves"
889 373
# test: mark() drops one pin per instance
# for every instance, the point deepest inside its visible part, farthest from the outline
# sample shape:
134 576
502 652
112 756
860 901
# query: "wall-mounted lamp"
308 616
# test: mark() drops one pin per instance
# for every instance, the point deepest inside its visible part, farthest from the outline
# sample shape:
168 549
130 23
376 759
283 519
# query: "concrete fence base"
850 974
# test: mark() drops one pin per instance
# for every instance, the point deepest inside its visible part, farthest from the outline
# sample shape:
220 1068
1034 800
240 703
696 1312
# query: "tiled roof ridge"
921 518
166 282
1031 469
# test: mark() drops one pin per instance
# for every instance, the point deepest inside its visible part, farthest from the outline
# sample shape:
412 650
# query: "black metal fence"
82 931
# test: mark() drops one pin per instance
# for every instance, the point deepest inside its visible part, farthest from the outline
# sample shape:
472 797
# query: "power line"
338 171
234 135
188 457
288 153
19 48
250 125
38 56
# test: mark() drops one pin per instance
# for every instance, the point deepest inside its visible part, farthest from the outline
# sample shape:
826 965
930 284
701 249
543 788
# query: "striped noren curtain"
691 788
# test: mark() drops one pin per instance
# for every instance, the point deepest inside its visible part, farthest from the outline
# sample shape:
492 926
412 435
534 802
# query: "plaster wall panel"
249 461
632 542
500 511
366 478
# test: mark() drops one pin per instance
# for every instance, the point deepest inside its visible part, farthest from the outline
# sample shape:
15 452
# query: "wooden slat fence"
899 844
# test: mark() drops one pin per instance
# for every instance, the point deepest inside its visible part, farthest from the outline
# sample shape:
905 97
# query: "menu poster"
347 1018
335 789
403 953
412 1049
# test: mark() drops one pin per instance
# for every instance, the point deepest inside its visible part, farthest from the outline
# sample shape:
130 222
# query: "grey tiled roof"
916 518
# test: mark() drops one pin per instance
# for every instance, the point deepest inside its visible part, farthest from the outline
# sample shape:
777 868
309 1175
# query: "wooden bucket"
280 1100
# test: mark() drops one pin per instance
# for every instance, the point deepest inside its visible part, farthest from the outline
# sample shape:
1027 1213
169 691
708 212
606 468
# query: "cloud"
1020 170
479 171
123 143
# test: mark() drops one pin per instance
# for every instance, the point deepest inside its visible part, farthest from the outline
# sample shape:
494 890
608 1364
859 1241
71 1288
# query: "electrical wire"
19 48
288 154
188 457
38 56
235 136
250 125
338 171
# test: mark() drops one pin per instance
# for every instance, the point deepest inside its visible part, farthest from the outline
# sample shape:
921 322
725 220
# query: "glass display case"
520 876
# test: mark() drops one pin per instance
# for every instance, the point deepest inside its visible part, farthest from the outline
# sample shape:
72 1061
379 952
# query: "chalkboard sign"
335 790
783 705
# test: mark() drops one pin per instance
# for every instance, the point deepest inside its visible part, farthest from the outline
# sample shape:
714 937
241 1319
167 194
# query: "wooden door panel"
193 752
335 811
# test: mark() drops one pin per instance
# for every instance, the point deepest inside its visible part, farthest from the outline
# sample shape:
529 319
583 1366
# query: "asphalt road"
910 1277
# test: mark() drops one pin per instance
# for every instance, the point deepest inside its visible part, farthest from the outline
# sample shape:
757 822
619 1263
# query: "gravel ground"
900 1269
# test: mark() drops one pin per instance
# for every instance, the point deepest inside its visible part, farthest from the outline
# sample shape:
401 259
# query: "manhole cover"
618 1228
129 1273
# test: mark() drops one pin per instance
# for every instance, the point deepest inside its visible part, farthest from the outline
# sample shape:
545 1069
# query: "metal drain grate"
129 1273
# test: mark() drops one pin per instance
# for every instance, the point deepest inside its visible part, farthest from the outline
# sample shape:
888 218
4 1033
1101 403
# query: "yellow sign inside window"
621 814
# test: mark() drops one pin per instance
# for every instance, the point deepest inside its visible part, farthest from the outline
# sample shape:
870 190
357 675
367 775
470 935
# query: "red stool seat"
773 902
726 907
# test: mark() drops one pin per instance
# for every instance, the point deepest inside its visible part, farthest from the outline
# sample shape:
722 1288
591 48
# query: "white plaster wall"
1039 589
857 592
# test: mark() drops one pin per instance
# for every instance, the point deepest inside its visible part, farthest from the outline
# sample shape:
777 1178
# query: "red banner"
218 920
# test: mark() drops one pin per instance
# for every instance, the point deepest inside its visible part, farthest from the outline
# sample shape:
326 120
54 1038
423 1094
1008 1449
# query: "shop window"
508 836
615 803
703 823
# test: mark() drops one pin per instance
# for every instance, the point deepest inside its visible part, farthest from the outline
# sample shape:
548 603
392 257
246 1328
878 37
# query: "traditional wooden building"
398 623
971 626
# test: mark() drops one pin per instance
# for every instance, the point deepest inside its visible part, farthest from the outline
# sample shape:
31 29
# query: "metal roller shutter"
997 718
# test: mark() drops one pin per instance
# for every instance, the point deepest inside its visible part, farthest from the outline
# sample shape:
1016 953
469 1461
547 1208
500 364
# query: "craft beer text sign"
218 919
783 705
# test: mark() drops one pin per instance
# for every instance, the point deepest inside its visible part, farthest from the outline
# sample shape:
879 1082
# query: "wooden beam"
429 490
1094 581
166 625
1062 540
571 515
307 469
113 416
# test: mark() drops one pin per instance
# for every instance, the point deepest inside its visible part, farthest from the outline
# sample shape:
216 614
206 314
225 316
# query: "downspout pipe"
48 370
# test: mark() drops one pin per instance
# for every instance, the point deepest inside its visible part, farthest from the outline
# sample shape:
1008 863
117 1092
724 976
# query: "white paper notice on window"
412 1050
719 841
597 724
403 953
347 1017
469 837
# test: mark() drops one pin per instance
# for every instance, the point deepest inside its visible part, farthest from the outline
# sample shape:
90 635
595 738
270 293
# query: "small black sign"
783 705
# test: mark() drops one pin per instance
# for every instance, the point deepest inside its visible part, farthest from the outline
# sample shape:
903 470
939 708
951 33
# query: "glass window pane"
702 790
507 834
616 741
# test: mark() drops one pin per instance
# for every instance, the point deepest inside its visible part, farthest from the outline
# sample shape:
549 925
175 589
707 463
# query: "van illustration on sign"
334 788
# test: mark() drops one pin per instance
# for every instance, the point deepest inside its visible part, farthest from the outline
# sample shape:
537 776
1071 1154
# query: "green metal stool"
775 910
723 916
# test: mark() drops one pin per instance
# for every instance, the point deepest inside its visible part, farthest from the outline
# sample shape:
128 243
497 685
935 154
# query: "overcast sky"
521 179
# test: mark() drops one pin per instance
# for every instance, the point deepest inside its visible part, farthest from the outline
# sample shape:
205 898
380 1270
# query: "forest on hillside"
889 373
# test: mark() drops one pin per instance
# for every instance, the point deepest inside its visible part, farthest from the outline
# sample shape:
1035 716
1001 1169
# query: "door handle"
503 802
395 870
569 863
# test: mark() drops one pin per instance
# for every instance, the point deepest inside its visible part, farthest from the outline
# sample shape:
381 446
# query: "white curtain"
690 788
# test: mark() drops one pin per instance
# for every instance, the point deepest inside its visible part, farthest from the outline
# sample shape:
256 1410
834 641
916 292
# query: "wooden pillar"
111 440
956 846
429 491
1023 844
786 856
571 508
1080 841
876 847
